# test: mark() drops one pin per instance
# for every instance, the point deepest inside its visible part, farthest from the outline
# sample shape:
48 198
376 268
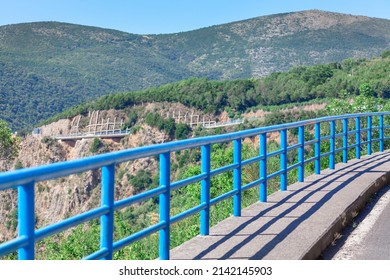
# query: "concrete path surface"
298 223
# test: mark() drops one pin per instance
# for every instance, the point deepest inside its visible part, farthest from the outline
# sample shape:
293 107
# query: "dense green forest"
350 77
46 67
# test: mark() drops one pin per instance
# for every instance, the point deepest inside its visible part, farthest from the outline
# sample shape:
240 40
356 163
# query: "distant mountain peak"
306 20
46 67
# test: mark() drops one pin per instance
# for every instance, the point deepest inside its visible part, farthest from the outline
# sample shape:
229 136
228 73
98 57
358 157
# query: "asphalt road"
368 238
376 245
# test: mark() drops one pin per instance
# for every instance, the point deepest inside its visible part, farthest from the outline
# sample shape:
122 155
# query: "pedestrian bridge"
96 134
346 154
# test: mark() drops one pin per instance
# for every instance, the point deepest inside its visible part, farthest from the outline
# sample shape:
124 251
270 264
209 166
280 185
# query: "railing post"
357 137
369 135
26 220
283 160
237 177
381 133
345 140
332 143
107 199
301 154
164 242
205 190
317 148
263 167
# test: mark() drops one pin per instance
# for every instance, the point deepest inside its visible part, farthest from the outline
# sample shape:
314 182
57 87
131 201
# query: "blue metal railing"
25 179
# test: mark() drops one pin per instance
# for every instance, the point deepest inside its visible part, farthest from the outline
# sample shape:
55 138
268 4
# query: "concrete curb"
345 218
298 224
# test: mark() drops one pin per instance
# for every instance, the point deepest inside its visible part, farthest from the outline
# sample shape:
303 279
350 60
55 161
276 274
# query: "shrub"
182 131
141 181
95 146
18 165
9 145
132 120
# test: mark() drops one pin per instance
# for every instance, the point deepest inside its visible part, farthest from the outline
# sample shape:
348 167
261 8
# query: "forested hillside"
343 79
47 67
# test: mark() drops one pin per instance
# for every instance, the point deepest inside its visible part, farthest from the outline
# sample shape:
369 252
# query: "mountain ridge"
46 67
318 11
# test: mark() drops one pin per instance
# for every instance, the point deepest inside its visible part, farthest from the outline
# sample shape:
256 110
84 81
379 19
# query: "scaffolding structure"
105 126
96 126
190 119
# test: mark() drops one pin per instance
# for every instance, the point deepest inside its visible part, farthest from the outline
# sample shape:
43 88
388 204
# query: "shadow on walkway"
290 222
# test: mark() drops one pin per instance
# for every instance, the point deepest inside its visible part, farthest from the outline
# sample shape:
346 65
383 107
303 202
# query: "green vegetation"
181 131
48 141
95 145
386 54
178 131
351 77
141 181
18 165
48 67
132 120
9 145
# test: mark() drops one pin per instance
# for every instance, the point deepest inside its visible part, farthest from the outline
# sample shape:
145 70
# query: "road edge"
346 217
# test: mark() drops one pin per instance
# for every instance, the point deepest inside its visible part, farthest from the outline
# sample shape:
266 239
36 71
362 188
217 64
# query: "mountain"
348 79
47 67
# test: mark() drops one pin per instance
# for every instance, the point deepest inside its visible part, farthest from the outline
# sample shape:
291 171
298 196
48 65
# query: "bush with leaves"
141 181
9 144
182 131
95 145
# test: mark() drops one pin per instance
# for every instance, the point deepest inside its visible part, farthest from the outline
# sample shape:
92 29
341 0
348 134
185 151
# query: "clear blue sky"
170 16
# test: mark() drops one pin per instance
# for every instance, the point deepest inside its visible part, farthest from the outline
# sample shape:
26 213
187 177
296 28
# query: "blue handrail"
25 179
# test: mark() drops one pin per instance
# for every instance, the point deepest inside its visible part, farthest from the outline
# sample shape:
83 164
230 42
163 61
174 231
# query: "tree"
386 54
95 145
366 90
9 144
143 180
182 131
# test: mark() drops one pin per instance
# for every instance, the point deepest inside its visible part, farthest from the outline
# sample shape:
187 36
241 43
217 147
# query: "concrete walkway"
298 223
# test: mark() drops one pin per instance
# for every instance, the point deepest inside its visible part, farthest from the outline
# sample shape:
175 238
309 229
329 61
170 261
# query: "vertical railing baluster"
332 143
345 140
357 137
205 190
237 157
164 198
283 160
301 153
381 133
263 166
317 148
107 200
26 220
369 135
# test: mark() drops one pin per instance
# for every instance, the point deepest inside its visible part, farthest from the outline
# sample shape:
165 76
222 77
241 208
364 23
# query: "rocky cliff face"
67 196
64 197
